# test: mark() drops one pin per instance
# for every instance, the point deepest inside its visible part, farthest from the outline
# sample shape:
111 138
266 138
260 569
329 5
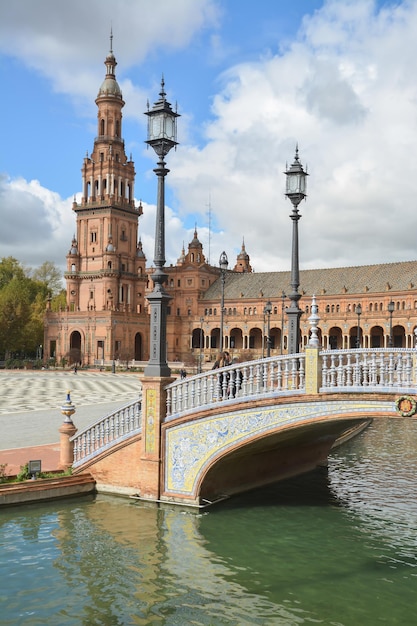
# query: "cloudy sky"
251 79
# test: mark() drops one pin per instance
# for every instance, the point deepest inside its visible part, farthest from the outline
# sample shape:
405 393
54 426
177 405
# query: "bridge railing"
368 369
107 432
281 374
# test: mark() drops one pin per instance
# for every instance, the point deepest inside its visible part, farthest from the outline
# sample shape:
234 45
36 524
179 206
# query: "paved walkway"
30 410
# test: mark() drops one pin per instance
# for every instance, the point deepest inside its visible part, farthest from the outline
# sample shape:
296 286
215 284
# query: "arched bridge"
208 436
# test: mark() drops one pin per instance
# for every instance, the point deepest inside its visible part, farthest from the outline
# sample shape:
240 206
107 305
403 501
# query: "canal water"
336 547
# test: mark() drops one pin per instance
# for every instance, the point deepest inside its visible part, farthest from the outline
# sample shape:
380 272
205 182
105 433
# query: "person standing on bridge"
223 378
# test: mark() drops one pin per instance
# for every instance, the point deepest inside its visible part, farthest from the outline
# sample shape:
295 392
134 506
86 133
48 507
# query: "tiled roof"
360 280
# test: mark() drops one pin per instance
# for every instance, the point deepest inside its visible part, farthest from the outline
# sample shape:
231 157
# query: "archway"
255 339
398 337
75 354
236 339
377 337
335 338
197 338
138 347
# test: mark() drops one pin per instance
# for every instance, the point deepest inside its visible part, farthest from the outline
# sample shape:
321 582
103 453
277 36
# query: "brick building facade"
107 316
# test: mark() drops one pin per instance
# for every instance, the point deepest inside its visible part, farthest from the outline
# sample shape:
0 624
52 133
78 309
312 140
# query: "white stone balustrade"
374 369
283 374
107 431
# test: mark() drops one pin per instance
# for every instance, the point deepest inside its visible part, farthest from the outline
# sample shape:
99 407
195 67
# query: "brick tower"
105 278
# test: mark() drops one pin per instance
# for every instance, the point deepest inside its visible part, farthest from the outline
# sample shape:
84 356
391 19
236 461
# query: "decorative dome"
181 259
139 251
74 246
195 243
243 255
110 86
110 246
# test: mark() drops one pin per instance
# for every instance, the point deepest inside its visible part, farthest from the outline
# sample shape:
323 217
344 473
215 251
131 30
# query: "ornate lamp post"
358 311
200 365
223 263
391 307
162 136
267 312
283 296
295 191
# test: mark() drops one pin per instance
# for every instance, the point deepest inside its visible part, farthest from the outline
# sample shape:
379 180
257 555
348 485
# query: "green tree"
22 307
59 302
49 275
15 311
10 268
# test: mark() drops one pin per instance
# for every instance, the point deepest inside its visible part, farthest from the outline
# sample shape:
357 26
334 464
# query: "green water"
336 548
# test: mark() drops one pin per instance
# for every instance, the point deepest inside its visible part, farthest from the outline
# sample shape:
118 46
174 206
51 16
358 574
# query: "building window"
178 312
93 236
179 283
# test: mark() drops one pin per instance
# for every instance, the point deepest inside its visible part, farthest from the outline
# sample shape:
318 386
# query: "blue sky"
251 79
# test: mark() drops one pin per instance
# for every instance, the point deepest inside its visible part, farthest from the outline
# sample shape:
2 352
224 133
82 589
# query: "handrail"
107 432
368 369
282 374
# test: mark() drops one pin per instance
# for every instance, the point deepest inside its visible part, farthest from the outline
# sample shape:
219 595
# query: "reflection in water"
333 547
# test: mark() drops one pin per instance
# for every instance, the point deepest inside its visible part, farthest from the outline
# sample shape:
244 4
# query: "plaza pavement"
30 409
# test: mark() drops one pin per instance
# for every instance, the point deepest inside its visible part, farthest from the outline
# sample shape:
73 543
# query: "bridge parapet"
368 370
283 374
107 432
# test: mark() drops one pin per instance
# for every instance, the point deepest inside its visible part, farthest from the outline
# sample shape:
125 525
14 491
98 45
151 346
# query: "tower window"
93 236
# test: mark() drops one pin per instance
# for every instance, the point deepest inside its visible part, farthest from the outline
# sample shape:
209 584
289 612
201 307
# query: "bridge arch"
250 445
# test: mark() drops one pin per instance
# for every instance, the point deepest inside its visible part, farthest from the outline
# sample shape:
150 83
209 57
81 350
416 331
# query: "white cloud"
343 89
37 225
352 107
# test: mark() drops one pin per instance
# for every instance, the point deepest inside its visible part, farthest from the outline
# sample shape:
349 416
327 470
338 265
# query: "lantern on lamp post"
162 136
267 312
296 185
358 311
223 263
391 307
